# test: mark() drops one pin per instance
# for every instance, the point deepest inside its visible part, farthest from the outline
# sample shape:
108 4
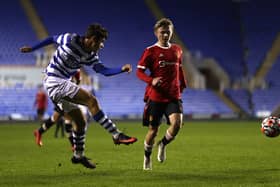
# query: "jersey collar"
169 45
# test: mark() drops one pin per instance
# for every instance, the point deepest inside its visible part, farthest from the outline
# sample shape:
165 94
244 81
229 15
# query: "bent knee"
178 123
176 120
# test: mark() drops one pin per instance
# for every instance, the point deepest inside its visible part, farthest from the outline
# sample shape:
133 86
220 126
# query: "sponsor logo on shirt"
163 63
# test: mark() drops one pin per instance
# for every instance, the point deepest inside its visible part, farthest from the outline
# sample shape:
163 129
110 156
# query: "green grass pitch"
205 153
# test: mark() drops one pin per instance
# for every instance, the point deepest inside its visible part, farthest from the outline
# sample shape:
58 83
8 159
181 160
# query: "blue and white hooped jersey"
69 56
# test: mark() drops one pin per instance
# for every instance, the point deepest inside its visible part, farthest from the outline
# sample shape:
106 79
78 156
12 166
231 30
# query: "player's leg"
48 123
148 147
175 113
86 113
60 89
85 98
62 128
145 116
59 124
68 124
171 132
154 112
79 136
69 129
40 114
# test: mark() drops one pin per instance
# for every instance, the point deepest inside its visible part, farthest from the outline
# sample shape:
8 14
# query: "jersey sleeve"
62 39
43 43
106 71
183 82
143 64
58 39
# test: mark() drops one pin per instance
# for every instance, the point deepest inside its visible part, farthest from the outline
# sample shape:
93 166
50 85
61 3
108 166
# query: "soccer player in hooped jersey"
74 51
165 84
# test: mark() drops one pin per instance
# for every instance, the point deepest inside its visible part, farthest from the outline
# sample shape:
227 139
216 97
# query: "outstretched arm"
100 68
43 43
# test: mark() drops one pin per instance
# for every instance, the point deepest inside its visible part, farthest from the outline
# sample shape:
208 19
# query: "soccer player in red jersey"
166 82
41 103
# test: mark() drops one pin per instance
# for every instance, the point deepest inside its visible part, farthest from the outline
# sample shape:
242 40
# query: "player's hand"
25 49
157 81
127 68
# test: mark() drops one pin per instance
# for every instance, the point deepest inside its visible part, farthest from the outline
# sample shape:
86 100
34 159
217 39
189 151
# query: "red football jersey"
165 62
41 101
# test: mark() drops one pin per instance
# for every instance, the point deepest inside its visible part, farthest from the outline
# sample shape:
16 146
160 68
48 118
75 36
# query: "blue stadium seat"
241 97
260 30
210 27
266 100
16 31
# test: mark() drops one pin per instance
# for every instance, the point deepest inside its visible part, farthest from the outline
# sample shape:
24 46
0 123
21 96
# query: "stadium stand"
259 18
262 31
241 97
206 27
265 101
258 30
137 35
15 31
272 76
203 26
204 103
19 101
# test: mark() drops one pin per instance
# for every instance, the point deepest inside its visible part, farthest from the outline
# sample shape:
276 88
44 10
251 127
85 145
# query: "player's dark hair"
164 22
96 30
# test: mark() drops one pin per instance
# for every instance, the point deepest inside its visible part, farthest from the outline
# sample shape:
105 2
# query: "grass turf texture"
208 153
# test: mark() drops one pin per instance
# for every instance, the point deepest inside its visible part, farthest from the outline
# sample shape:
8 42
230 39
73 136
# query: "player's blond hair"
163 22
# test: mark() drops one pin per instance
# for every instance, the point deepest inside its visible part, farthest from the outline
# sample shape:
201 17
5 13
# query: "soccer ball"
271 126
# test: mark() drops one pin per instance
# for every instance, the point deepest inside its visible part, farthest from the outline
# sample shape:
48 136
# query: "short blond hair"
163 22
